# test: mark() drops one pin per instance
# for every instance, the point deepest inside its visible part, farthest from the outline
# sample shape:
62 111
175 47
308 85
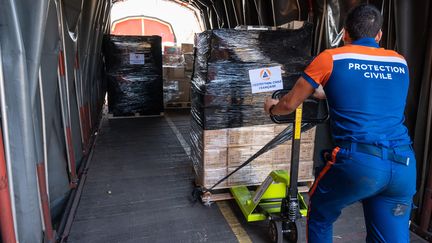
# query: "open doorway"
154 18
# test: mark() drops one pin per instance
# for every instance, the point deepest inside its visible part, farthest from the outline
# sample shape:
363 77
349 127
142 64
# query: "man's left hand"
269 103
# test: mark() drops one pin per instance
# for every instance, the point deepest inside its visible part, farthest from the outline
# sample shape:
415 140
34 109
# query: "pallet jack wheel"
275 231
292 231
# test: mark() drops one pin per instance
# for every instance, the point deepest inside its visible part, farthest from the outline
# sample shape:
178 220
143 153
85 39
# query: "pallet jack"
277 198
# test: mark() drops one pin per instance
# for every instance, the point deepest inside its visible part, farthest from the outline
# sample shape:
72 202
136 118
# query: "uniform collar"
370 42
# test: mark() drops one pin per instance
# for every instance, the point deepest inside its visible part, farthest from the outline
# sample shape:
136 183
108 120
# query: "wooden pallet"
219 195
178 105
305 184
222 194
135 115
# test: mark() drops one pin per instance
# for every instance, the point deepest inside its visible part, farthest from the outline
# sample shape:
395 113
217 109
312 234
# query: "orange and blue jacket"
366 88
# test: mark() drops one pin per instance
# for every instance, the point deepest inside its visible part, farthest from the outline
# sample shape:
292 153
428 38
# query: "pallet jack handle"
290 204
291 210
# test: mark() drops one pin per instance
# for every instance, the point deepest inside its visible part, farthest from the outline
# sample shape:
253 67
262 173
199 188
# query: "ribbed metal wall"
53 95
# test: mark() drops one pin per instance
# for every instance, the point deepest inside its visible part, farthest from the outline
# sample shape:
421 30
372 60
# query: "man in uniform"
373 161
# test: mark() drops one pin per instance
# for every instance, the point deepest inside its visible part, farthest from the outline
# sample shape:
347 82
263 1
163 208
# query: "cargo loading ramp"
138 187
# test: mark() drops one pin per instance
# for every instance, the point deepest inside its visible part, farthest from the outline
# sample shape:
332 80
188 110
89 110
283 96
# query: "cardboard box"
215 138
282 153
240 136
293 25
238 155
173 72
215 158
184 90
209 177
262 134
259 174
187 48
172 59
176 90
249 175
171 90
307 151
241 177
306 170
308 136
226 149
189 61
188 74
253 135
282 167
172 50
278 128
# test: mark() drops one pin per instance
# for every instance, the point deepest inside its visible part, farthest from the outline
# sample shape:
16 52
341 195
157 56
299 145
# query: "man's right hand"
269 103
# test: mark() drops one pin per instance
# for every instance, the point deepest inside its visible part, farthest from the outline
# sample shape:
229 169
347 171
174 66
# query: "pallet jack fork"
270 201
268 197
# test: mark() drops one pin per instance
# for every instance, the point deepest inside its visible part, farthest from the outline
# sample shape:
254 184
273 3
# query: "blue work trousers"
384 187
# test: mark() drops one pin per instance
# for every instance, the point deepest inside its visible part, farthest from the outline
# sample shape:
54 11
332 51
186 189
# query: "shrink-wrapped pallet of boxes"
172 56
177 86
188 56
228 121
134 73
177 76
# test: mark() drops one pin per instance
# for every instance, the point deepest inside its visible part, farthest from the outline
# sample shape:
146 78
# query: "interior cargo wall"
52 91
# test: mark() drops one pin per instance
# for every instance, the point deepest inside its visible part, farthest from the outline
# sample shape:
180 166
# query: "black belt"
381 152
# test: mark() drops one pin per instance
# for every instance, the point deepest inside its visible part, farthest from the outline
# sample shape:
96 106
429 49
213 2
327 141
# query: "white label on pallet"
266 79
257 28
261 190
136 58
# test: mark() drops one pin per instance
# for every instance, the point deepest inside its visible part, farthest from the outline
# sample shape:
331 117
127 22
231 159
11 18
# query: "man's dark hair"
363 21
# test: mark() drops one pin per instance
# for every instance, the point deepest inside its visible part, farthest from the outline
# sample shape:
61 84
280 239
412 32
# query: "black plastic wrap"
221 90
171 91
226 113
133 86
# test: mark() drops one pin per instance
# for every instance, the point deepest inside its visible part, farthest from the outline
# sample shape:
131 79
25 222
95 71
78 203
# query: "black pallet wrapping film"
221 90
134 86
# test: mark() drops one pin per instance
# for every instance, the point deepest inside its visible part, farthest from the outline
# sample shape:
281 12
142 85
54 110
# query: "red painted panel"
128 27
151 27
7 231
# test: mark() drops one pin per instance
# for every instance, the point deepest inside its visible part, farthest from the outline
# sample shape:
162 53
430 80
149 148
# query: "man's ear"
346 37
378 36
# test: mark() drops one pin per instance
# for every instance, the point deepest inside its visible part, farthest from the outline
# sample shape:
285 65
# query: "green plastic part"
257 206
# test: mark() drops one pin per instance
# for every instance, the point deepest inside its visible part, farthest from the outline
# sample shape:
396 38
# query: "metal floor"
138 190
